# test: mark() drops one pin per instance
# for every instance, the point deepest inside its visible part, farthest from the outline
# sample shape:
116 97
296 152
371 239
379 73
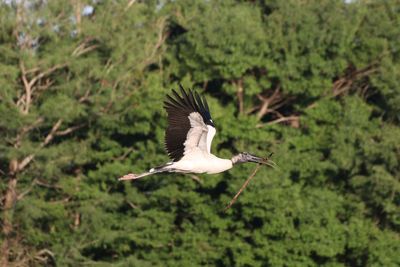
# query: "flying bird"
189 136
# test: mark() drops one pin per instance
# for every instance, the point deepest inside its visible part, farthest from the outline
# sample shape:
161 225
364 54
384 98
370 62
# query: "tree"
66 85
81 93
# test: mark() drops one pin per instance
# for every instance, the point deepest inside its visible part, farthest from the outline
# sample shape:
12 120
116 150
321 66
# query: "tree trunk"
9 203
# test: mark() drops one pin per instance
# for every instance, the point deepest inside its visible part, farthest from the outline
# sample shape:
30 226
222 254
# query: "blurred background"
82 84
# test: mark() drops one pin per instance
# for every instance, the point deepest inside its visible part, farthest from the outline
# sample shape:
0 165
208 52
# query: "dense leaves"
82 85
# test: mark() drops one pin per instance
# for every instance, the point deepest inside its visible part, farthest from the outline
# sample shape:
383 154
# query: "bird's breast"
202 163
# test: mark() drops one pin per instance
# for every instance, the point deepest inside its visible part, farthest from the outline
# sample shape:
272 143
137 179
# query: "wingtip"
183 90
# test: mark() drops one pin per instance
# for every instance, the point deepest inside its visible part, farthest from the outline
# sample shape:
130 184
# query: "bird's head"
247 157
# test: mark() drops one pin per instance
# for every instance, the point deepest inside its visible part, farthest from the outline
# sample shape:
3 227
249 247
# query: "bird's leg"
160 169
130 176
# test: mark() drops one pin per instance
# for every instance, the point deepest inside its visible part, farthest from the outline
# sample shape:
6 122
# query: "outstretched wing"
189 123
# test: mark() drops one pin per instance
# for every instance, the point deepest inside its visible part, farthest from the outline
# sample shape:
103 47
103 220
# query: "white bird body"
188 139
197 157
199 161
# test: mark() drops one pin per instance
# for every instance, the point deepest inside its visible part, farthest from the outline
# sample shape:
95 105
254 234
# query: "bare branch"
282 119
43 184
7 226
243 187
160 41
363 92
47 140
28 88
25 130
46 72
239 94
252 109
44 86
54 132
131 2
77 220
78 16
50 136
205 84
43 255
79 48
132 205
69 130
82 51
123 156
267 101
27 191
25 162
26 98
85 97
343 85
196 178
33 70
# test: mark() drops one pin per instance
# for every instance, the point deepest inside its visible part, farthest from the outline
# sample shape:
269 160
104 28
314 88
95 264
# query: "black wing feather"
206 105
173 102
199 102
178 108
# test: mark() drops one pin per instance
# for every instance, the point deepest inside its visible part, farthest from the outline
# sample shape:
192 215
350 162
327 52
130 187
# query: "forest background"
82 85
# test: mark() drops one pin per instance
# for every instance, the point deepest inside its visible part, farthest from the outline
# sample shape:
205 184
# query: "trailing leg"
160 169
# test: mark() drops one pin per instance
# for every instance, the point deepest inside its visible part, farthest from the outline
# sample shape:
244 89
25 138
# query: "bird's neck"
236 159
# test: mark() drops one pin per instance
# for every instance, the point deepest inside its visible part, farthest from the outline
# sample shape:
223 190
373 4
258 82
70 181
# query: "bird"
188 139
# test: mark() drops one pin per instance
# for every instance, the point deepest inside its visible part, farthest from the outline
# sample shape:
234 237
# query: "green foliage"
227 48
315 82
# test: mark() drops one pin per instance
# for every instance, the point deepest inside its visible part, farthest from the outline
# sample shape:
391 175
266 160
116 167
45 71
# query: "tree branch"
47 140
26 98
160 41
123 156
282 119
25 162
43 255
10 198
131 2
196 178
133 206
69 130
43 184
52 133
243 187
27 191
25 130
85 97
46 72
78 16
240 95
343 85
28 89
267 101
81 49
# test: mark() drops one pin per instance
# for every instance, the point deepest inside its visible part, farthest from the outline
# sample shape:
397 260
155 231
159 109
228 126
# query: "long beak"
265 161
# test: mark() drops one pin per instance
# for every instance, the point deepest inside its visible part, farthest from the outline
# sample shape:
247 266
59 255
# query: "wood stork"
188 139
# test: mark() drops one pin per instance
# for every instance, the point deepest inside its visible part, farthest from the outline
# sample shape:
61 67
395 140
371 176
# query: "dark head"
247 157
